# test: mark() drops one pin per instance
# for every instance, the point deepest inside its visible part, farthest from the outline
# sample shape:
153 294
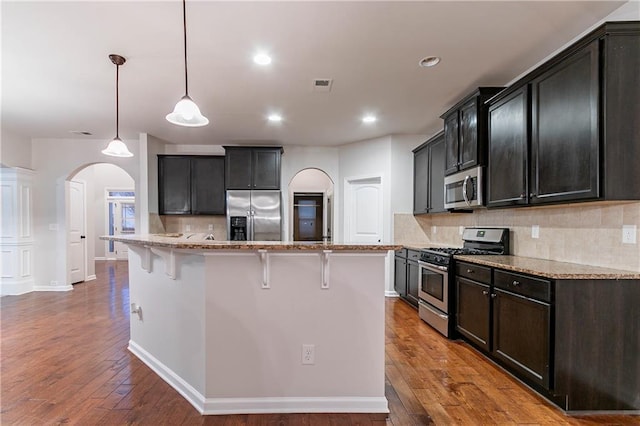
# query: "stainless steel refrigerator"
254 215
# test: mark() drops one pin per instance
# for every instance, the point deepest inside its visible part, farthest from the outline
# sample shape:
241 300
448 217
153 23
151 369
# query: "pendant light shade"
186 112
116 147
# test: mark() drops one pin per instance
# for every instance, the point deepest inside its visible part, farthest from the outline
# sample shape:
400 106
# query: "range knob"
439 259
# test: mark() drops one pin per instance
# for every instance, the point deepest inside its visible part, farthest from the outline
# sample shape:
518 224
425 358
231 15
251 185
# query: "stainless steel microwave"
464 190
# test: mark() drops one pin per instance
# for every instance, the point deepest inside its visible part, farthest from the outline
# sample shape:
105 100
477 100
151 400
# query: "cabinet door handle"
522 195
485 292
516 283
493 295
532 195
470 271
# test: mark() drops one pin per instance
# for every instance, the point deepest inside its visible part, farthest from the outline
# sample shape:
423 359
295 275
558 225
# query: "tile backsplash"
196 225
586 233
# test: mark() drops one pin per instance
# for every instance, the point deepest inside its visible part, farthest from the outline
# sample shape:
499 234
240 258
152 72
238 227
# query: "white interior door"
76 235
364 210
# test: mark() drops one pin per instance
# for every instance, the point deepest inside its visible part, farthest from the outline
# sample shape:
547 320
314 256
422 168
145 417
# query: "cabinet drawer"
474 272
401 253
534 288
413 254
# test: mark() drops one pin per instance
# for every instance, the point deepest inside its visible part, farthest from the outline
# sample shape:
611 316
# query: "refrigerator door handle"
250 227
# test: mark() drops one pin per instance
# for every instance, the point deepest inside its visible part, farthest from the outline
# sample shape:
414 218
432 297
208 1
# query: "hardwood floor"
64 360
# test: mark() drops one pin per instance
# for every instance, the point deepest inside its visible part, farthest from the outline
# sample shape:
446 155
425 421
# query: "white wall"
368 159
15 150
99 178
150 147
55 161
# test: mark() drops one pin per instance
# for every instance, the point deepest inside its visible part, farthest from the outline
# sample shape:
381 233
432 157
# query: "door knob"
82 237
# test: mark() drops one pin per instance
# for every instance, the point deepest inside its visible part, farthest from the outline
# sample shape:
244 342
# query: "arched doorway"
311 201
99 200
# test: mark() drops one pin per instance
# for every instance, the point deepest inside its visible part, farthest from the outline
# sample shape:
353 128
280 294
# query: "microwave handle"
464 189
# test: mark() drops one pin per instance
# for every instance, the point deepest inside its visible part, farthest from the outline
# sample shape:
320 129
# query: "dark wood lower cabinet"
472 311
521 334
576 342
400 278
412 282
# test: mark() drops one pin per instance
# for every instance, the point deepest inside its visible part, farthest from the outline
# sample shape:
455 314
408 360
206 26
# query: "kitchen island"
261 327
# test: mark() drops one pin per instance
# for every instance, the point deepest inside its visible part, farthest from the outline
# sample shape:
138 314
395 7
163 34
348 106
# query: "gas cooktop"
477 241
452 251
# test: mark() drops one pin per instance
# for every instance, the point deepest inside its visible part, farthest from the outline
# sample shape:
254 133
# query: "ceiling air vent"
81 132
322 84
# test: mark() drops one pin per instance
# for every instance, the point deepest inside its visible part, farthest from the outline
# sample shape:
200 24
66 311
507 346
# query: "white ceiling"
56 75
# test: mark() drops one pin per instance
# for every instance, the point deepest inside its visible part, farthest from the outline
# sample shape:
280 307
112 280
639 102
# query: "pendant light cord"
117 101
184 27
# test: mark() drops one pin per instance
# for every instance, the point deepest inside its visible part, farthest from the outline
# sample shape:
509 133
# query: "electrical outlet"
187 228
535 231
629 234
434 229
54 283
461 230
210 227
308 354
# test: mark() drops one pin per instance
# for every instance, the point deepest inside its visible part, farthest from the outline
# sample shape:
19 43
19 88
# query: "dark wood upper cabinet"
468 143
428 176
508 171
207 185
421 180
451 143
620 112
564 129
238 171
174 185
191 185
252 167
436 175
465 131
584 135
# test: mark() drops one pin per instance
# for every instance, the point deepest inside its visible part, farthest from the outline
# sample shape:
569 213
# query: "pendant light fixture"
186 112
116 147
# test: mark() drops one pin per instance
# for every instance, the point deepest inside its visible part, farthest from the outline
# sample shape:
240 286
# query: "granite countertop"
550 268
197 242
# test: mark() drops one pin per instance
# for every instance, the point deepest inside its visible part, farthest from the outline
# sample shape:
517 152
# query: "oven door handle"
432 268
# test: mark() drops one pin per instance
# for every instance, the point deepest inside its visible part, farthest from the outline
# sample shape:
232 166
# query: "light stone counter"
196 241
550 268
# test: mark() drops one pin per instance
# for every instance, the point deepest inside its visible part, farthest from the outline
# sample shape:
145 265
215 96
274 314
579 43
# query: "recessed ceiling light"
274 118
429 61
369 119
262 59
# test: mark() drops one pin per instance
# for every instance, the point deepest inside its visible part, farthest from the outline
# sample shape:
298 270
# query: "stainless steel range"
437 272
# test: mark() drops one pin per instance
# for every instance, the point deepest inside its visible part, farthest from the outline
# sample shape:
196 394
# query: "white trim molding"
264 405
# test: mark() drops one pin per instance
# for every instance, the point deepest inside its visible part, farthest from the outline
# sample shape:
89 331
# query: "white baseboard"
391 293
259 405
15 288
91 278
99 258
296 405
189 393
53 288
